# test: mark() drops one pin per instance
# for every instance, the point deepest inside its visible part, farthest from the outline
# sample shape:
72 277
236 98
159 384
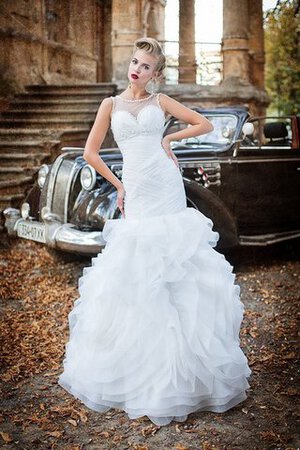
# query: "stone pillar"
235 45
103 40
256 43
187 60
155 21
126 28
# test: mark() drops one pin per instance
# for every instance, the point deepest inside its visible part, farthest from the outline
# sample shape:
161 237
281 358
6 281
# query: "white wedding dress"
155 330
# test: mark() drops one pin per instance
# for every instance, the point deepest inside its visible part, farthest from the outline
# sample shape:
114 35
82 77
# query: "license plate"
34 231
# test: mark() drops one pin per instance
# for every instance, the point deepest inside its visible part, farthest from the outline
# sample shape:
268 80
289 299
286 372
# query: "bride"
155 330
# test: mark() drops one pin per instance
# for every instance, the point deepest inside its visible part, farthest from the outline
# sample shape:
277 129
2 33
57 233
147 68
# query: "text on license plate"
33 231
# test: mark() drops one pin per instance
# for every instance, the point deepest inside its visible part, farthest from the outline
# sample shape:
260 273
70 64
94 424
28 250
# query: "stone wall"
90 41
54 42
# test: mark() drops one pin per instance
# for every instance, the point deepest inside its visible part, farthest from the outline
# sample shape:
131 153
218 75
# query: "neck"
135 93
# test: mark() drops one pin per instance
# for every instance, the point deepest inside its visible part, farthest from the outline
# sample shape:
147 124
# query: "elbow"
206 126
210 127
85 155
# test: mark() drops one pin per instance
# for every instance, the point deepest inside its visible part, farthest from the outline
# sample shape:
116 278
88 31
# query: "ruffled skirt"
155 330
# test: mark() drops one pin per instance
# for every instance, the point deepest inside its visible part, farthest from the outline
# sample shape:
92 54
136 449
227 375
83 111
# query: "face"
142 68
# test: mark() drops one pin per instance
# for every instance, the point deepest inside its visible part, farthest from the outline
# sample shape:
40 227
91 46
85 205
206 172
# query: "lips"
134 76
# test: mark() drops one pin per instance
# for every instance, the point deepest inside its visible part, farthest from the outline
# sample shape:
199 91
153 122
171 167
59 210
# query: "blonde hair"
152 47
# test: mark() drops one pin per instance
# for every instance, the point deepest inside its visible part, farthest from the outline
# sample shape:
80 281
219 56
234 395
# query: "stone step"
75 138
56 110
23 159
16 173
37 124
13 186
24 133
13 200
16 170
49 123
47 135
49 113
99 88
50 104
92 96
27 146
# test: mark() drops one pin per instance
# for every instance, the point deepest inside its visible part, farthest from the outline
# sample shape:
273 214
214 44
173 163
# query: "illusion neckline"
135 100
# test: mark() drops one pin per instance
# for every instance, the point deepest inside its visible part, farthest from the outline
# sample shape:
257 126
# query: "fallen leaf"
55 433
72 422
6 437
181 447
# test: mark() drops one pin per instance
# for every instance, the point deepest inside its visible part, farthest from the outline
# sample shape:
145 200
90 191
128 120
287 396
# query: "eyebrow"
145 64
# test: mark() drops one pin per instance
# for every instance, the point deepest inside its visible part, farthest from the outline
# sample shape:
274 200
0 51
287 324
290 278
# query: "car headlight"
88 177
42 174
25 210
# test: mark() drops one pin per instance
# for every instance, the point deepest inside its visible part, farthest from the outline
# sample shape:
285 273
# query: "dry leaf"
55 433
72 422
6 437
104 434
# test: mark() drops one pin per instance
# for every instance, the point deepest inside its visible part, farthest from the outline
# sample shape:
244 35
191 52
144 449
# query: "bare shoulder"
105 109
107 103
163 99
168 103
180 111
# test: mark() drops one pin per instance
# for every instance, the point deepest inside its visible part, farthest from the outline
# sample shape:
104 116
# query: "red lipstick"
133 75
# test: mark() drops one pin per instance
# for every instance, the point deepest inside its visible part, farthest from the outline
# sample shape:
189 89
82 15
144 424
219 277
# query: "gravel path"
37 292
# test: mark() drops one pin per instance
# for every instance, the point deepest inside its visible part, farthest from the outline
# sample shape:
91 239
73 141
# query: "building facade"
90 41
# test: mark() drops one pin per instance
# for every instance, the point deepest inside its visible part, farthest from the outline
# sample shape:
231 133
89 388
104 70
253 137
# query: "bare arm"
94 142
199 123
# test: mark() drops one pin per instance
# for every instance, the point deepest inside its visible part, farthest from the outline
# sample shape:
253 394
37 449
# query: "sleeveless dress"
155 330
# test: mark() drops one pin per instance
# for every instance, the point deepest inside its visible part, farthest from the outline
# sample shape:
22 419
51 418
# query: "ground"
37 292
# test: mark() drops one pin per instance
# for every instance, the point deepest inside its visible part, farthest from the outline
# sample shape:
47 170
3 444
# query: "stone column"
256 43
155 21
187 60
126 28
103 40
235 45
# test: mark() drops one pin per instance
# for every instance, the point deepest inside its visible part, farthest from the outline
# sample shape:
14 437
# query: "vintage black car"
245 176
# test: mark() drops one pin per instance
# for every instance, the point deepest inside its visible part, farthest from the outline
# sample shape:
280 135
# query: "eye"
133 61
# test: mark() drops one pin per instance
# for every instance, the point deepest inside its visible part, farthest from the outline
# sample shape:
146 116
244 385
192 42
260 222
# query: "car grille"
56 191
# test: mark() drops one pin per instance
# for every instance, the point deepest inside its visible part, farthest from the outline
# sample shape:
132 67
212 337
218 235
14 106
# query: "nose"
138 69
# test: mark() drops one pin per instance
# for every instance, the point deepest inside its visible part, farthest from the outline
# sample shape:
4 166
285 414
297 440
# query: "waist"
141 143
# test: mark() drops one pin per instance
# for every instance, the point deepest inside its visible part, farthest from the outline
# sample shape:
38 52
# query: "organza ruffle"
155 330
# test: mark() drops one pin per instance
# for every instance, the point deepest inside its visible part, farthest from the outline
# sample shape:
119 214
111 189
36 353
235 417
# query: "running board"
266 239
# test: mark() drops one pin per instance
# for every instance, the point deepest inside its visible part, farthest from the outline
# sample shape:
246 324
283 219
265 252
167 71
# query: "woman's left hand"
167 148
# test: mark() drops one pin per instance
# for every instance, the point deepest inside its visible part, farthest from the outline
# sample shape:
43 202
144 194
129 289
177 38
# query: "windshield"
222 134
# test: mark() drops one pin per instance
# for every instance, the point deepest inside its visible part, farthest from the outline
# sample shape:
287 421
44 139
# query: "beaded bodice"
130 118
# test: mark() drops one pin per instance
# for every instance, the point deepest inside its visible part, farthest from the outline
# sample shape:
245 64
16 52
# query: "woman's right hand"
121 199
167 148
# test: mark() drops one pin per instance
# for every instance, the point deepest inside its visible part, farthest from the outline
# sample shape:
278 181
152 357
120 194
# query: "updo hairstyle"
152 47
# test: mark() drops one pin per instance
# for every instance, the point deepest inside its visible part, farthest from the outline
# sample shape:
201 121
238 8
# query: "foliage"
282 47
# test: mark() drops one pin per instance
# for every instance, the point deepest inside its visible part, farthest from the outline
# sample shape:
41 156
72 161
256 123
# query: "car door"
268 180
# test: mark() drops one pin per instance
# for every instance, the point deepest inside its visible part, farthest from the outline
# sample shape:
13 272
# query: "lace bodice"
130 118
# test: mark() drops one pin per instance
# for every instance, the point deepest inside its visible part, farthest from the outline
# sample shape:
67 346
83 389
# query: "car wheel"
211 206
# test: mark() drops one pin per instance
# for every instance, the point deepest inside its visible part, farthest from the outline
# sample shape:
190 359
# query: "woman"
155 330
